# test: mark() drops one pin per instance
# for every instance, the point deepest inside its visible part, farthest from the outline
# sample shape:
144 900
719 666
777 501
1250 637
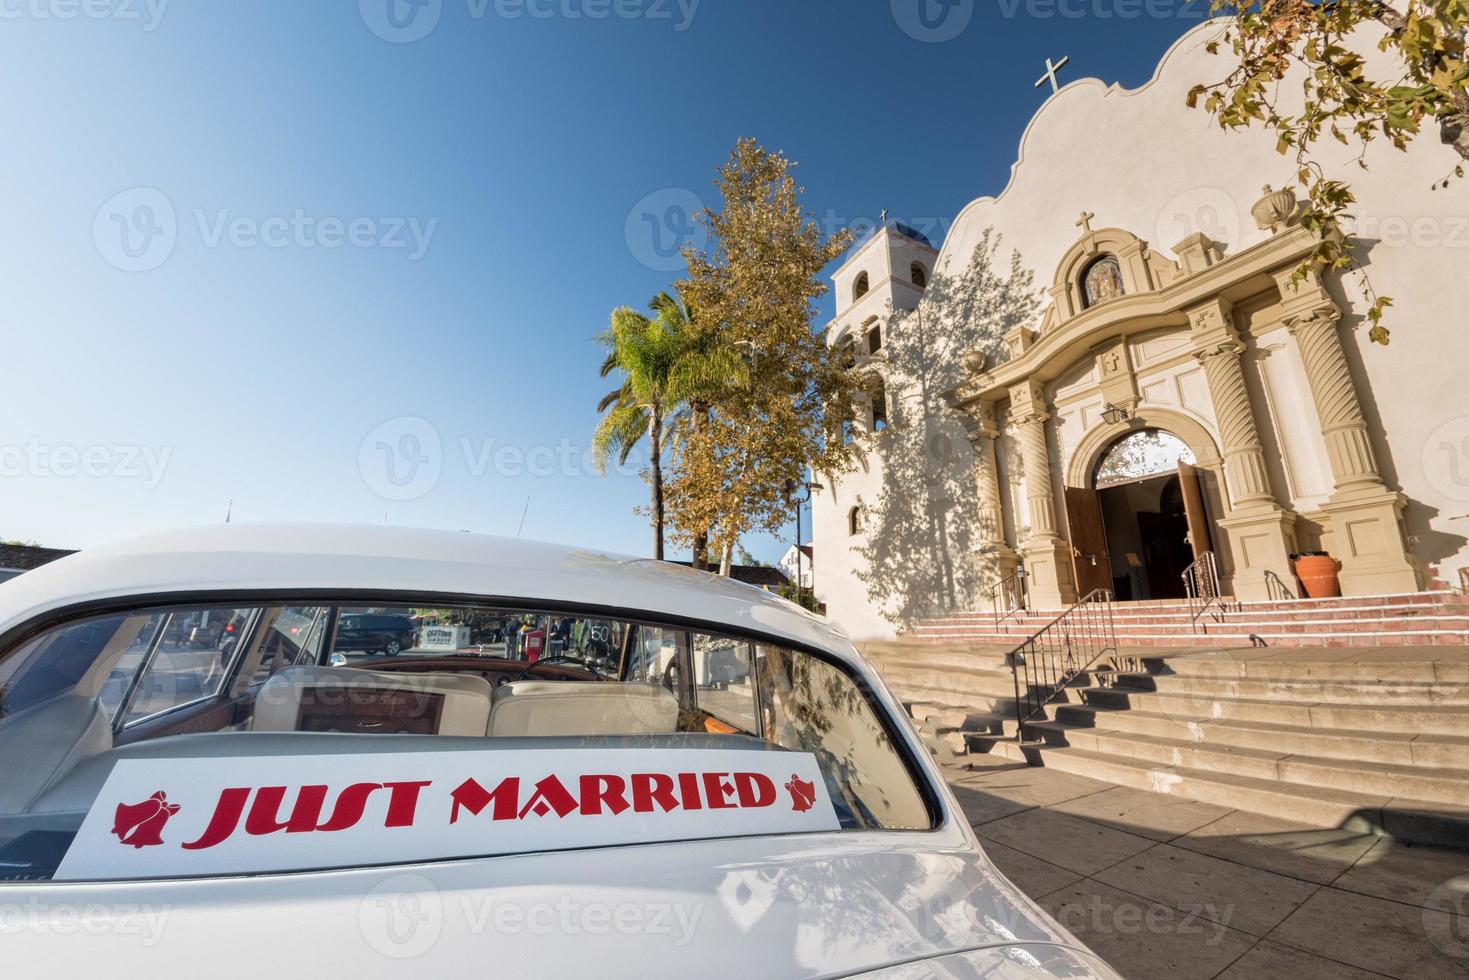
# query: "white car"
248 800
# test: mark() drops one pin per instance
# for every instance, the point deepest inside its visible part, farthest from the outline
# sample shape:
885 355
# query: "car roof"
287 557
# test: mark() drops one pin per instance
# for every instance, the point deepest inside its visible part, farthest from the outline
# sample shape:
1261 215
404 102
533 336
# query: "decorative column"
994 559
1362 518
1047 556
1258 534
1218 348
1343 426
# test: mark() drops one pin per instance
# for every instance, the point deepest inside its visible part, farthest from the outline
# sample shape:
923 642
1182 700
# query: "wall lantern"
1112 414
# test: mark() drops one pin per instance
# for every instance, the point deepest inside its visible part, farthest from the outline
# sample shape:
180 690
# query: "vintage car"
709 782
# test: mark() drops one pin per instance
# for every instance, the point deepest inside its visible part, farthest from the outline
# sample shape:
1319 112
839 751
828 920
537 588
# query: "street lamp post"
809 488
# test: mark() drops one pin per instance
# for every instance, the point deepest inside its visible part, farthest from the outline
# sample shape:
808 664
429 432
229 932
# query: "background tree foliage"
1340 99
919 557
755 288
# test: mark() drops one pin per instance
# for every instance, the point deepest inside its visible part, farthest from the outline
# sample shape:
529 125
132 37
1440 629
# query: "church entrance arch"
1141 519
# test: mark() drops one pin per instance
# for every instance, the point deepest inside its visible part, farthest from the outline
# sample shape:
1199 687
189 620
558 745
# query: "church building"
1135 392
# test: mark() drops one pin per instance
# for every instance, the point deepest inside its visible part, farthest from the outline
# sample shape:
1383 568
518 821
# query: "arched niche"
1140 270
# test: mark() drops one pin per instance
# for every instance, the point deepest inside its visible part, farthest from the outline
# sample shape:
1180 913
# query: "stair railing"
1201 586
1054 655
1008 597
1276 589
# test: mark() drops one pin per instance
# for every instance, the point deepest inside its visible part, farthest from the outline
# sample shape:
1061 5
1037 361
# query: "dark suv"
375 633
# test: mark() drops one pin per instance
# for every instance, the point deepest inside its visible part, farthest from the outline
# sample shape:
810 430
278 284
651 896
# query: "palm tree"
672 369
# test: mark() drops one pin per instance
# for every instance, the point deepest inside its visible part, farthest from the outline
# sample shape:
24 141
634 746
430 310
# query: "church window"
920 277
874 337
1139 455
846 351
859 289
1102 281
879 406
854 521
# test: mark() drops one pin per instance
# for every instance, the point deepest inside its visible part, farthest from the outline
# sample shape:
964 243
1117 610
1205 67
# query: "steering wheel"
559 659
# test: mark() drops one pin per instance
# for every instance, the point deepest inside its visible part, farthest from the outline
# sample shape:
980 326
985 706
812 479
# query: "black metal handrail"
1201 586
1008 597
1055 654
1276 589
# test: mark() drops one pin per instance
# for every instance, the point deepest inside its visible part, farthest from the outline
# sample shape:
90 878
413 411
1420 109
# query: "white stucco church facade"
1163 390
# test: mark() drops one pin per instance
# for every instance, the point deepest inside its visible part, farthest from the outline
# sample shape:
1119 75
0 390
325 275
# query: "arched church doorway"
1142 521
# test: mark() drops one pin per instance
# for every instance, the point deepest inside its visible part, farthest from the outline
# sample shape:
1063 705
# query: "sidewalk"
1167 888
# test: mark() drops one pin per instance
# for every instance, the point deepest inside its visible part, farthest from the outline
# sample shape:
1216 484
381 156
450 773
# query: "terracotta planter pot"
1318 573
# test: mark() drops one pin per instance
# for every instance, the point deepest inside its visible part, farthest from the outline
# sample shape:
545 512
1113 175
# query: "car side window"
188 660
652 653
724 682
288 636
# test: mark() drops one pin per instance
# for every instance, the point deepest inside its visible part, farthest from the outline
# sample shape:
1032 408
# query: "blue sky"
282 253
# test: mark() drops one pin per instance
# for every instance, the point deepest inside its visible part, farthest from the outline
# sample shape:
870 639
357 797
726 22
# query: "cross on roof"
1085 222
1050 75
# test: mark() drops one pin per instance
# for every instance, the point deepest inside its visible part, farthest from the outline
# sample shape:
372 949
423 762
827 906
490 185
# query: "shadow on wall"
917 559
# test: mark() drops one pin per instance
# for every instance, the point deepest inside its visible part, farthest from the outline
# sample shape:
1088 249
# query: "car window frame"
14 639
120 721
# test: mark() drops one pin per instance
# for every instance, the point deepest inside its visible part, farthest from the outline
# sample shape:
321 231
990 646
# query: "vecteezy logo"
1207 211
400 21
661 224
402 916
136 230
1446 917
803 793
401 459
141 824
933 21
1446 458
747 896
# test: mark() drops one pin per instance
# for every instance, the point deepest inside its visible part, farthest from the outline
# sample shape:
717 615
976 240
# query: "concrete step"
1436 719
1393 665
1415 821
928 655
1293 690
1399 748
956 681
1438 785
948 698
947 718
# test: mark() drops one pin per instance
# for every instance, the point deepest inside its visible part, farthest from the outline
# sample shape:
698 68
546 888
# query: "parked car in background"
722 786
375 633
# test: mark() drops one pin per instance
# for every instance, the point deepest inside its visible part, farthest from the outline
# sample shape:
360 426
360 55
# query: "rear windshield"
245 736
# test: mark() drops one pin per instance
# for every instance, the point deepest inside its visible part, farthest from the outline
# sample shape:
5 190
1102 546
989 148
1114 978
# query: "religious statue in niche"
1103 280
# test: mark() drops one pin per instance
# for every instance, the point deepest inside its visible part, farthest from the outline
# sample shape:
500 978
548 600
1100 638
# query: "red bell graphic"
141 824
803 793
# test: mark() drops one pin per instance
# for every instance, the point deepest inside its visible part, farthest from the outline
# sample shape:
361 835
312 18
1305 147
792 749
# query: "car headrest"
342 699
582 708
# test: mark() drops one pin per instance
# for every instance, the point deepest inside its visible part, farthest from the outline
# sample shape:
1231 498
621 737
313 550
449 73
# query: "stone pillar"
1348 445
1217 347
994 559
1362 517
1258 534
1047 556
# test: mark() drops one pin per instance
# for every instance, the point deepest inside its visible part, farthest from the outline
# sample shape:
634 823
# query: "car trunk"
827 904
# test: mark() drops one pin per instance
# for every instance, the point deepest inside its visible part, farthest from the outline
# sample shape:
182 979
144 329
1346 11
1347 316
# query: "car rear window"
156 703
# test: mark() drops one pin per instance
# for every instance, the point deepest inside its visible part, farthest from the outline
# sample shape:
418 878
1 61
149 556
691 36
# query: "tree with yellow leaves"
793 404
